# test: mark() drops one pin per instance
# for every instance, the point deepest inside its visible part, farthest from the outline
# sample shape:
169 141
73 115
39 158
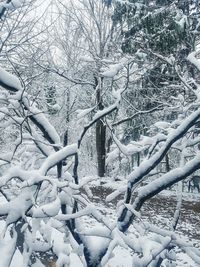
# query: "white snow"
83 112
56 157
162 124
194 60
113 70
7 249
105 111
10 80
41 119
16 3
48 210
17 260
86 59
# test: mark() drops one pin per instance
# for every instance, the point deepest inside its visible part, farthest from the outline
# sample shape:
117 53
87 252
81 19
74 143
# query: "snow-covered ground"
157 211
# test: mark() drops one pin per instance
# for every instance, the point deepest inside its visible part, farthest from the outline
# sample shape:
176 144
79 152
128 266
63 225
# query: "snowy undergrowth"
123 257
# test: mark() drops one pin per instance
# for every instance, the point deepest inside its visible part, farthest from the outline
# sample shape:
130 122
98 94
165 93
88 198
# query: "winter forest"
99 133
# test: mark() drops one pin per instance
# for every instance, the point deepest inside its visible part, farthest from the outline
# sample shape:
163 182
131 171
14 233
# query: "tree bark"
100 132
101 147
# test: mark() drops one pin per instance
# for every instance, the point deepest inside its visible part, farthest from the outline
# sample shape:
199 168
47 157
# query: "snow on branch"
12 83
17 172
165 181
7 250
195 61
44 125
9 81
149 164
142 112
175 135
57 157
48 210
185 246
17 207
102 113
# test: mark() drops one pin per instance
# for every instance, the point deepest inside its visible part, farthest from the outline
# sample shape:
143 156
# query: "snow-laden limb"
39 117
38 179
116 240
100 231
57 157
195 61
162 124
9 5
133 147
157 140
9 81
112 156
166 180
17 172
155 252
102 113
48 210
35 245
7 250
18 206
44 148
109 251
185 246
178 133
12 84
149 164
86 211
142 112
151 249
83 112
158 185
115 194
113 70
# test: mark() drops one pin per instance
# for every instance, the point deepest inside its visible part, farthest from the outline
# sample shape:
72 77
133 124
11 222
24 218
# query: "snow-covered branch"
148 165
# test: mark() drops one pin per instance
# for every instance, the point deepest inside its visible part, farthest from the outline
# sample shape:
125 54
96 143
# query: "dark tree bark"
167 163
100 133
101 147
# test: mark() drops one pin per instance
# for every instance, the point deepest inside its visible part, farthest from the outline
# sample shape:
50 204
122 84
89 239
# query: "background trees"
106 66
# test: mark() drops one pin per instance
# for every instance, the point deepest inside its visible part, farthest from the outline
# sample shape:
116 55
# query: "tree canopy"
97 96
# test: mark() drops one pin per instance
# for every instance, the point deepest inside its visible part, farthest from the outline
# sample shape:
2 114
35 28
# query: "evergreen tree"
163 26
155 33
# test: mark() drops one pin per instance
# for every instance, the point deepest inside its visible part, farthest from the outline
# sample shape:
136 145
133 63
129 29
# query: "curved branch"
152 162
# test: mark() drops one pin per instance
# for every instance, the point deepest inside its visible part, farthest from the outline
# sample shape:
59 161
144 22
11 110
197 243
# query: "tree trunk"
100 132
101 147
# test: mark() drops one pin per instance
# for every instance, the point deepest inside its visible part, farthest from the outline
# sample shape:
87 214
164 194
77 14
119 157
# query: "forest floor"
161 208
158 211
